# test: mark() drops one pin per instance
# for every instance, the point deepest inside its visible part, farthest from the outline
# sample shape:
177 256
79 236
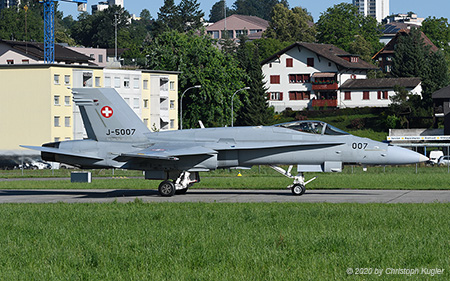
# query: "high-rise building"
105 4
379 9
8 3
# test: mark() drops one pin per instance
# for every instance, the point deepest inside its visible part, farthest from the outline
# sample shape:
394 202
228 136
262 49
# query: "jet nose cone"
403 156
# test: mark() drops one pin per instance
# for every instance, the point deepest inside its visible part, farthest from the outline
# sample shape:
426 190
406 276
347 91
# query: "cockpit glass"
313 127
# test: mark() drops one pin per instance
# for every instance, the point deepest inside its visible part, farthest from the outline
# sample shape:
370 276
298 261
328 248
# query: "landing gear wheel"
298 189
166 188
182 191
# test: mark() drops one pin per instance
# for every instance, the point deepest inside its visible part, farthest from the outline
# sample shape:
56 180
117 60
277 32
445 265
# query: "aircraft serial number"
359 145
121 132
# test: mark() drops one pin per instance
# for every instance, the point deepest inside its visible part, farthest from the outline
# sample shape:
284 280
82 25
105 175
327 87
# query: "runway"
225 196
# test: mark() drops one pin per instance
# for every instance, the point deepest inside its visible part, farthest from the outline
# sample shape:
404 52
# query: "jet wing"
60 152
271 144
170 152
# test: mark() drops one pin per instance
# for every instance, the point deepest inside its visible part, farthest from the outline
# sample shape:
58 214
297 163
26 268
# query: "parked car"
434 157
444 160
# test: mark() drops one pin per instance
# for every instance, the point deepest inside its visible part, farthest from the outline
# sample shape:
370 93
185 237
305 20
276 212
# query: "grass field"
256 178
196 241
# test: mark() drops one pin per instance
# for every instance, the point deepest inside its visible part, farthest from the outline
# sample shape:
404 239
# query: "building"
409 18
8 3
236 25
36 101
385 56
376 92
20 52
103 5
379 9
98 55
309 75
441 102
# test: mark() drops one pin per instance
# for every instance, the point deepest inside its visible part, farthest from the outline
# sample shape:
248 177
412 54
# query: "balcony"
324 103
325 86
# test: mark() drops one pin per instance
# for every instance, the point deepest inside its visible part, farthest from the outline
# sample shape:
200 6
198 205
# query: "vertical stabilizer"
107 117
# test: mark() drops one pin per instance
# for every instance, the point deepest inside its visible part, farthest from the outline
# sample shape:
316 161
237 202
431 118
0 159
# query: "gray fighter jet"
117 138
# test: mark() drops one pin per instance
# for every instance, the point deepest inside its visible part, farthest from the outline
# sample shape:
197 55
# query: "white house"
311 75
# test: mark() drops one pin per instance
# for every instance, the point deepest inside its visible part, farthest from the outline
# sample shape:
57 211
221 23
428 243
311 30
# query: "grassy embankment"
197 241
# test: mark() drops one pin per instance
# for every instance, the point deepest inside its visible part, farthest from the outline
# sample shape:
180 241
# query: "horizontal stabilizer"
60 152
166 152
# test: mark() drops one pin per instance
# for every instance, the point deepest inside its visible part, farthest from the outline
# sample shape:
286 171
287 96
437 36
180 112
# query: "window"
56 139
145 103
388 68
67 138
67 121
214 34
66 100
274 79
56 121
276 96
136 83
127 100
116 82
97 82
289 62
10 61
382 95
100 58
310 62
354 59
146 122
172 123
299 78
145 84
172 85
25 61
136 103
255 31
126 82
92 56
228 33
241 32
366 95
172 104
299 95
107 82
348 95
56 100
56 79
66 79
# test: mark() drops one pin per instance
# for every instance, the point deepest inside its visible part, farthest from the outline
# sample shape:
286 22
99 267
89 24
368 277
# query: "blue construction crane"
49 26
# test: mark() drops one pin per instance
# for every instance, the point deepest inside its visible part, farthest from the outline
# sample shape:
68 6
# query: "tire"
298 189
166 189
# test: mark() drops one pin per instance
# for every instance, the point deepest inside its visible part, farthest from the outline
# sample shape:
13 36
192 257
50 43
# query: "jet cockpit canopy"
313 127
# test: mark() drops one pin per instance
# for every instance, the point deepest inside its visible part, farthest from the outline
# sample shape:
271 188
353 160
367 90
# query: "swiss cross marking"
106 111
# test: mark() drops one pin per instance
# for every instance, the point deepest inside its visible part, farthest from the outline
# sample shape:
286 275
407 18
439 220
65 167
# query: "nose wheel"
298 189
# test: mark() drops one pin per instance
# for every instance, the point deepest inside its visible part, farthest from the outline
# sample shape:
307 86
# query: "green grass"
263 178
199 241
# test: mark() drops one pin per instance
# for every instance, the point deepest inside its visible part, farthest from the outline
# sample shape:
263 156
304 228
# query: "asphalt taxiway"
230 196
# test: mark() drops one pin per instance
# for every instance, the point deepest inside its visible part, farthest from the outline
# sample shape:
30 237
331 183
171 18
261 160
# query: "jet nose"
402 156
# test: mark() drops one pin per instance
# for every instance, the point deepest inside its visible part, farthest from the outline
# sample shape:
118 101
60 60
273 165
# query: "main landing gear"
299 186
180 185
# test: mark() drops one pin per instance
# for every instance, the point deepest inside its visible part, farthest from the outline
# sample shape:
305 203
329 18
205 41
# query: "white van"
434 156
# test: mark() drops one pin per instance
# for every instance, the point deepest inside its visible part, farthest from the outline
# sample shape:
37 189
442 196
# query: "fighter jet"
117 138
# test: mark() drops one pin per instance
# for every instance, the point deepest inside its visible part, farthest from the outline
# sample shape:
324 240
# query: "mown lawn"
216 241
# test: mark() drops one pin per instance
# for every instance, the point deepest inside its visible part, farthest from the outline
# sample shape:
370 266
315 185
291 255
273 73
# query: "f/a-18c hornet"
117 138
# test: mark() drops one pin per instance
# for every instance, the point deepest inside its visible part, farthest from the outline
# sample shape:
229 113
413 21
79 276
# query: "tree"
255 110
438 31
217 11
259 8
184 17
98 30
200 63
268 46
290 25
12 23
413 58
342 24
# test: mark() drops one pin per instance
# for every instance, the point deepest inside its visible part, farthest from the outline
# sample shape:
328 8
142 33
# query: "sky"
436 8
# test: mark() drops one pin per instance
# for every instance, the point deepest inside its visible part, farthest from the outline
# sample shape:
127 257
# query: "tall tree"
290 25
341 25
217 11
12 23
255 110
167 17
259 8
413 58
438 31
190 16
200 63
